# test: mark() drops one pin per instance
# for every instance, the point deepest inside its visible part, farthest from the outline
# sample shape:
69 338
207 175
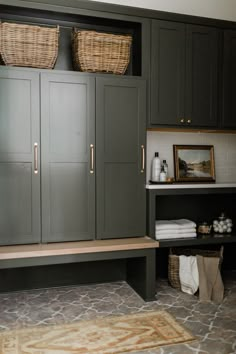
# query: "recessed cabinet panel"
229 82
167 72
68 200
19 130
68 129
16 203
120 162
120 120
15 118
68 124
201 76
122 199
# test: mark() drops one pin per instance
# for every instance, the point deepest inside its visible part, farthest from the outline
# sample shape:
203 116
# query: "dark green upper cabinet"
202 45
184 75
19 159
229 82
120 142
67 131
167 72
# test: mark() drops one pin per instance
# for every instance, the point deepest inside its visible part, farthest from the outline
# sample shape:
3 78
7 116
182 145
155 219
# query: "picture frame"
194 163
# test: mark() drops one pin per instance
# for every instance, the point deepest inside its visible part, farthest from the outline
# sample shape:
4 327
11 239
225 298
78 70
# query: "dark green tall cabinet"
72 152
19 157
67 131
120 142
184 75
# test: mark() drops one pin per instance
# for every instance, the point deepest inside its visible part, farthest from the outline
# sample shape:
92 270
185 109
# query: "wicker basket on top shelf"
173 261
28 45
100 52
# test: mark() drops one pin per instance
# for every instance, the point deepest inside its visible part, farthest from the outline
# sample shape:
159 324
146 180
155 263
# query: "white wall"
224 148
221 9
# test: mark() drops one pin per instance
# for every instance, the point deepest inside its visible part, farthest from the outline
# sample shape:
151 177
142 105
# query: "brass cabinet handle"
143 159
36 159
91 158
182 120
189 121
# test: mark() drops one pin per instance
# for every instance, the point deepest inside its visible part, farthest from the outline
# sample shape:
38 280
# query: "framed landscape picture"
194 163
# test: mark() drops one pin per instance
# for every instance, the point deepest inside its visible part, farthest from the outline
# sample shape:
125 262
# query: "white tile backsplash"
224 148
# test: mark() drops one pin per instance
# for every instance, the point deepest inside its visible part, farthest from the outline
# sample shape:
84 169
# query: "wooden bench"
139 253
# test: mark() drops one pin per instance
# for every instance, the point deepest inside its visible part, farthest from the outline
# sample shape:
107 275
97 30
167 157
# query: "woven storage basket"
27 45
100 52
173 261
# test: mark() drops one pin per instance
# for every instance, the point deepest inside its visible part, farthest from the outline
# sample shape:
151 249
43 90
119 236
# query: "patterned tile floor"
213 325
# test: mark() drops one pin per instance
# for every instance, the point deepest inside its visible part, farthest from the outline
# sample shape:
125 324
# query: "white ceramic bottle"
156 168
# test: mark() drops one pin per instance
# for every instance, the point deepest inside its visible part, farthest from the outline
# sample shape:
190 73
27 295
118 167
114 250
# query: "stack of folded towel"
171 229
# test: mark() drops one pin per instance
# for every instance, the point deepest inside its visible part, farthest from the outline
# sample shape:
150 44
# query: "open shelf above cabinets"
67 21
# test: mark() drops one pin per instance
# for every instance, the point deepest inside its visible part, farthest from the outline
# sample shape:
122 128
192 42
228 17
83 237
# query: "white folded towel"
188 274
171 235
185 223
174 224
181 231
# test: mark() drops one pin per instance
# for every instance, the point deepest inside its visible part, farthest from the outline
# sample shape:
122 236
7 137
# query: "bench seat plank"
82 247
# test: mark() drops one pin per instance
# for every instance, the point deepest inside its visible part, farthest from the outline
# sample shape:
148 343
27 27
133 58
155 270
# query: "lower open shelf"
199 240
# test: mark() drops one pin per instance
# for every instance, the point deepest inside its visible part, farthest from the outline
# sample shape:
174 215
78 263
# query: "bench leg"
141 274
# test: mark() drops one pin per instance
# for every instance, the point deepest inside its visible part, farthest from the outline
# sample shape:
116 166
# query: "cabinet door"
68 129
19 130
201 76
167 73
229 82
120 133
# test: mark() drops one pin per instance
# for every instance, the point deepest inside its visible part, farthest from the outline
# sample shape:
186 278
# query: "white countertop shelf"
190 185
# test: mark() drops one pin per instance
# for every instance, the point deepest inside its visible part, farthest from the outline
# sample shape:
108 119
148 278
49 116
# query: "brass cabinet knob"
189 121
182 120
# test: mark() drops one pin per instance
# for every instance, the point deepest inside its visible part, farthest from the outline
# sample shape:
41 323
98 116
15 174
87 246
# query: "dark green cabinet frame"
90 135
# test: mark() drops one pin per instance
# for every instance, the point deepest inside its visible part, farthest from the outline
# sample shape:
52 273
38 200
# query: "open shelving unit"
197 202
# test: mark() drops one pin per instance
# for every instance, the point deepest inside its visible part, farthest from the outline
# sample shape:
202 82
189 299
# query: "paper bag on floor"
211 286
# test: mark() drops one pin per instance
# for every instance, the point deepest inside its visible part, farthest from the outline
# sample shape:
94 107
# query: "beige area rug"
109 335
